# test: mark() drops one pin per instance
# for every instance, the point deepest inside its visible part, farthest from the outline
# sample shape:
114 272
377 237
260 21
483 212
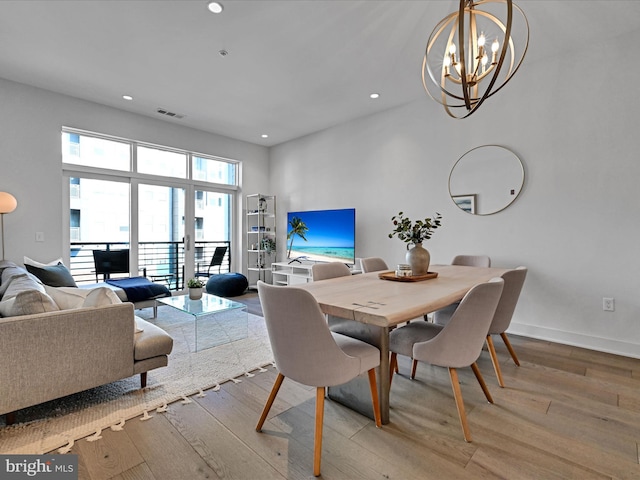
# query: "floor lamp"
8 204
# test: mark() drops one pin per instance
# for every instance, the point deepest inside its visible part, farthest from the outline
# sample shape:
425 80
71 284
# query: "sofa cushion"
9 272
28 302
99 297
67 298
151 342
19 282
53 275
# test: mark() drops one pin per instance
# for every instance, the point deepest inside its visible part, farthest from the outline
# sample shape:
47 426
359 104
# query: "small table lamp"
8 204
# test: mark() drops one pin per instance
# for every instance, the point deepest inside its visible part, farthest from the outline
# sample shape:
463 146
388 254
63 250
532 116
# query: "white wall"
31 168
571 119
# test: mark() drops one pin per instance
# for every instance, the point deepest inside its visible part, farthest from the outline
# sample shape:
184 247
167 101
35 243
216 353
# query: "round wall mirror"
486 180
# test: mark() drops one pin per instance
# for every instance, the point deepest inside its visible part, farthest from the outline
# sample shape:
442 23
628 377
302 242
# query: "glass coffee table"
217 320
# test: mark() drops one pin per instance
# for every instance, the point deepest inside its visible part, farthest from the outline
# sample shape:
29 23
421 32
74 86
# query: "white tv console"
296 272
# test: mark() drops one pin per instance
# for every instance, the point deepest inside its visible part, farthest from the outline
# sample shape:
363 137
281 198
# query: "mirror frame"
471 197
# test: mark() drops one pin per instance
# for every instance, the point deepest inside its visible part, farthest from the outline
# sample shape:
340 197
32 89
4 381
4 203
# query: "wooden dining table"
371 306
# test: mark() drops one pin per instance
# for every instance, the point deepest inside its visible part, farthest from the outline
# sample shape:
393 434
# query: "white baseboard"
600 344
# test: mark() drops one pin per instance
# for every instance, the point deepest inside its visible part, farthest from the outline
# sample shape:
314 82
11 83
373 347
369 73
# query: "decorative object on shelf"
268 245
456 69
8 204
262 204
195 286
298 228
414 234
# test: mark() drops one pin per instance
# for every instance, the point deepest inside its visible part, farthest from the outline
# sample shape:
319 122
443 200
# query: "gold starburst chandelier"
460 70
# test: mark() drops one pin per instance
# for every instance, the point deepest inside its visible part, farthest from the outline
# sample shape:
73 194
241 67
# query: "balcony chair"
216 261
458 344
306 351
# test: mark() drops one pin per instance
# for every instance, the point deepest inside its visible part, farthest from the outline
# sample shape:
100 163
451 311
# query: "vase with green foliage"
195 286
413 234
298 228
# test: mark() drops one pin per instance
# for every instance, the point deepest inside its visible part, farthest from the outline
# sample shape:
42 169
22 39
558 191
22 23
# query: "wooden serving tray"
414 278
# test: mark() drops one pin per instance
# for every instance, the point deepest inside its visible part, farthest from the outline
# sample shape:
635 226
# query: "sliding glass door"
161 234
212 222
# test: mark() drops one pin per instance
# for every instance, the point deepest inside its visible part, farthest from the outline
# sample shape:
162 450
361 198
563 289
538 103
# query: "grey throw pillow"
53 275
30 302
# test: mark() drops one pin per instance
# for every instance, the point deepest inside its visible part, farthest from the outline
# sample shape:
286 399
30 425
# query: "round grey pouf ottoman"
227 284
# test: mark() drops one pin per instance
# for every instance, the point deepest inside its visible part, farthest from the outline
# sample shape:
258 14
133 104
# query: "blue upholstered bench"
227 284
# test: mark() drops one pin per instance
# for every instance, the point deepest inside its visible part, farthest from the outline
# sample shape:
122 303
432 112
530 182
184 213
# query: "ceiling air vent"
162 111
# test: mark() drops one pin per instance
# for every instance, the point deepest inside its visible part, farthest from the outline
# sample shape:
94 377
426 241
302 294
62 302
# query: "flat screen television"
330 236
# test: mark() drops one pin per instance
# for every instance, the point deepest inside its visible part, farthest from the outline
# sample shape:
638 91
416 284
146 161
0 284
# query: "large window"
127 194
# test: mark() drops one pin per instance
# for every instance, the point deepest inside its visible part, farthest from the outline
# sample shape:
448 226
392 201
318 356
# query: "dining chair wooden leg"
272 397
393 364
457 395
483 385
374 397
414 366
494 360
317 448
510 348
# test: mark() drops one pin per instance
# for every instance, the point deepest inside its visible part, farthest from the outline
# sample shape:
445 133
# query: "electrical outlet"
608 304
39 236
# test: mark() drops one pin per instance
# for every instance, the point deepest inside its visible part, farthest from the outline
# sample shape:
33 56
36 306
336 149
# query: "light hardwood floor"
565 413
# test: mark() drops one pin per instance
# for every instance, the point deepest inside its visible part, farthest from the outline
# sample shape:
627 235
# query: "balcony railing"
161 262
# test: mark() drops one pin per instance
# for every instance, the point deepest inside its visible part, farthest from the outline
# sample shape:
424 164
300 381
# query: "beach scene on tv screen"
330 236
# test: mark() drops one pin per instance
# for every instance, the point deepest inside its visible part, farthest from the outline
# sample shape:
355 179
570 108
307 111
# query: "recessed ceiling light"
374 95
127 97
215 7
264 135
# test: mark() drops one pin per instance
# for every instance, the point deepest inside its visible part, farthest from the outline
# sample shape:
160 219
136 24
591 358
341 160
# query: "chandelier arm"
524 52
503 53
463 66
434 36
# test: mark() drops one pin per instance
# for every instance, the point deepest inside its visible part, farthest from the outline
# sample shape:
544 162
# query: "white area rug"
57 424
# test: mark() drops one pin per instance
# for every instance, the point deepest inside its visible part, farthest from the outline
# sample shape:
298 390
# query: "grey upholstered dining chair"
456 345
513 282
472 260
442 316
323 271
306 351
373 264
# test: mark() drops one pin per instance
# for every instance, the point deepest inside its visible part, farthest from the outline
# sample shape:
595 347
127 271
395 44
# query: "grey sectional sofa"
48 352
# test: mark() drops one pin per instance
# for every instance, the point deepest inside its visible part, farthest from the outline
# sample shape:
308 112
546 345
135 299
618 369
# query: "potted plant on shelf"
268 245
414 233
195 286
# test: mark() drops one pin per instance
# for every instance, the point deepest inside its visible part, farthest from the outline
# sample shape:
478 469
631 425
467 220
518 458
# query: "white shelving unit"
261 237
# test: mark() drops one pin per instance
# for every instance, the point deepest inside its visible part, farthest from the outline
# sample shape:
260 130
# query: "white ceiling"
293 68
